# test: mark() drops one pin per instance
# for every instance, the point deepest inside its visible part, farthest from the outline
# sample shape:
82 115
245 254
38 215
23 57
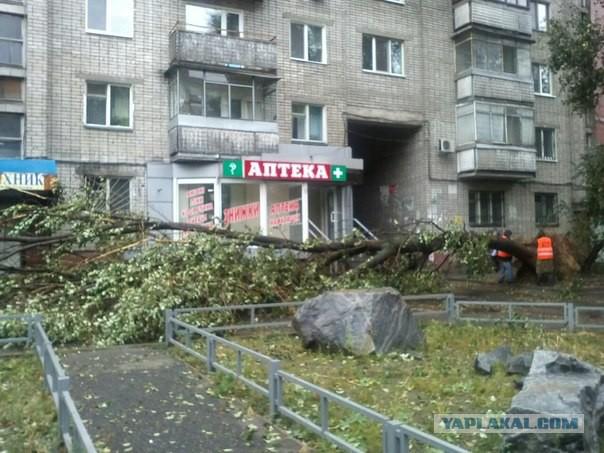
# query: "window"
546 209
307 122
540 12
589 140
215 95
10 89
196 203
542 79
382 55
113 17
10 135
501 124
307 42
521 3
11 40
486 208
206 20
486 55
545 143
111 194
108 105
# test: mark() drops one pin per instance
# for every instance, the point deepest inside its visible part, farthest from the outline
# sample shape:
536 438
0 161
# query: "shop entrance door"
325 212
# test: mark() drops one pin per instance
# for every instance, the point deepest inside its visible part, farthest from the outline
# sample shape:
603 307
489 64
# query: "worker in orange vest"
545 259
505 261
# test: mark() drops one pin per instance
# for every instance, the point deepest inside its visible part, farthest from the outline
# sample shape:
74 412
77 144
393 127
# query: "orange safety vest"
504 255
545 250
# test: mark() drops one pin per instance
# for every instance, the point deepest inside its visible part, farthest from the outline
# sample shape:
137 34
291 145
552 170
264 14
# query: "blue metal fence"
396 436
71 428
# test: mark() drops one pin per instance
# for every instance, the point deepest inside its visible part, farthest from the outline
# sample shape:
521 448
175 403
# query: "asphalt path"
141 399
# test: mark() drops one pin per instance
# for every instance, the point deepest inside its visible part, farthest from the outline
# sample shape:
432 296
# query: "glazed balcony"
238 51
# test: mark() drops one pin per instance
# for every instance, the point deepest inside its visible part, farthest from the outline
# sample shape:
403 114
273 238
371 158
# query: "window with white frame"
545 143
217 95
112 194
112 17
307 42
546 209
11 136
203 19
491 56
540 12
308 122
503 124
542 79
521 3
11 40
486 208
108 105
383 55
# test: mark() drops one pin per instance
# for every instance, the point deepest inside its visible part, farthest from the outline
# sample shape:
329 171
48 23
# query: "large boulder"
559 384
359 321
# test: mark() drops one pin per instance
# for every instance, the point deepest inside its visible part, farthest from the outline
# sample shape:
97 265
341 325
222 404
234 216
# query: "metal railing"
366 231
315 231
396 436
550 314
71 428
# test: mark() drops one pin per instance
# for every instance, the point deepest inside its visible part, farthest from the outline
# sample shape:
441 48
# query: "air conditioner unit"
445 146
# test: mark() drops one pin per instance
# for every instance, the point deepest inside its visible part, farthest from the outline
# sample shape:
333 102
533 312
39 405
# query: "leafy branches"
575 44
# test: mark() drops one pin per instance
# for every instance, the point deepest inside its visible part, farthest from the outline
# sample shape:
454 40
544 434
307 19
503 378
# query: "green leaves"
575 44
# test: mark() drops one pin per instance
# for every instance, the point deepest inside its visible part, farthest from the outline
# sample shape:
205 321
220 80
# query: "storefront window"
285 211
196 204
241 207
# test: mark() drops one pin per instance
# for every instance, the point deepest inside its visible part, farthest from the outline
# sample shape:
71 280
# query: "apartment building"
292 118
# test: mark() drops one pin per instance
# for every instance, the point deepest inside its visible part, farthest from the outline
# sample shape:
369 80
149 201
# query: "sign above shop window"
290 171
27 174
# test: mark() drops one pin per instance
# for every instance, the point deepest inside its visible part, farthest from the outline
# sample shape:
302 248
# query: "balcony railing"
495 15
487 86
187 142
496 162
211 48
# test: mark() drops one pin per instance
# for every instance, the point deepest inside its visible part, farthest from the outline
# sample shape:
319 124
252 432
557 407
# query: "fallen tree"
101 277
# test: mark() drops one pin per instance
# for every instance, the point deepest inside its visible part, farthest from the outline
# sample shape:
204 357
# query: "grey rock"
559 384
359 322
485 360
519 364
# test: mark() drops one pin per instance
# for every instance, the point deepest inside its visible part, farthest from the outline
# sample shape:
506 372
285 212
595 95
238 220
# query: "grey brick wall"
405 179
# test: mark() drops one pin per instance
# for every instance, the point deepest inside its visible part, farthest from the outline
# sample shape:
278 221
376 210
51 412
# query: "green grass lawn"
28 418
407 387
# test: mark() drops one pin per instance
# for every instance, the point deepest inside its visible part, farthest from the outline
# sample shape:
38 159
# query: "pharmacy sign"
289 171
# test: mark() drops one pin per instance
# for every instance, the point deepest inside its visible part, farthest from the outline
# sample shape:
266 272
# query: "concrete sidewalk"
141 399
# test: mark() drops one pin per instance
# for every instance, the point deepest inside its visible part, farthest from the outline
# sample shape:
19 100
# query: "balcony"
189 142
493 162
223 51
487 86
493 15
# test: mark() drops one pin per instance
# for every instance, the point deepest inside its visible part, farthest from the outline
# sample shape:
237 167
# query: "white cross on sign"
338 173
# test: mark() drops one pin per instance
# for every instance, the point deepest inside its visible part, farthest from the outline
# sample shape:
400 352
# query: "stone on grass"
485 360
359 322
519 364
559 383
